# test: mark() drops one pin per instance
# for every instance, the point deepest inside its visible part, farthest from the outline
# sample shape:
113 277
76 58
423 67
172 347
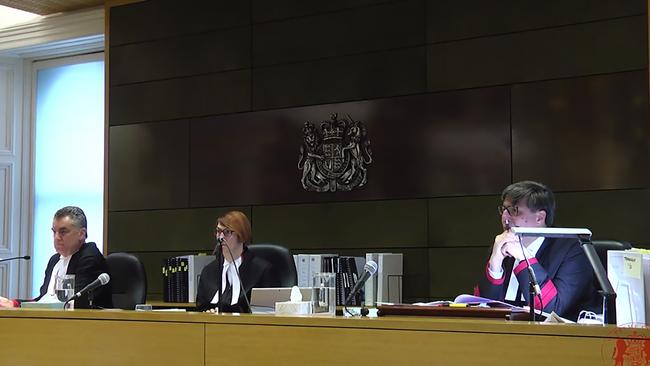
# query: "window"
68 149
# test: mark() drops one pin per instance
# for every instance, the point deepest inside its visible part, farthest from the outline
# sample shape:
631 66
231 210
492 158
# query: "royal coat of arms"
334 157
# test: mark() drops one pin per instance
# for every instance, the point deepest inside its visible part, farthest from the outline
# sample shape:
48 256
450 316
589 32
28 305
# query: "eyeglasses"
512 210
225 232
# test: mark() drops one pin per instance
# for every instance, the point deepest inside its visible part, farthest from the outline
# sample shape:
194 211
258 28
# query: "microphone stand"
90 299
606 289
219 254
65 304
12 258
90 295
533 290
345 304
533 286
241 285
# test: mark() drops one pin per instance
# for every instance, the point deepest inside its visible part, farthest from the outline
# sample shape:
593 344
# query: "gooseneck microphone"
368 270
100 281
26 257
219 258
217 248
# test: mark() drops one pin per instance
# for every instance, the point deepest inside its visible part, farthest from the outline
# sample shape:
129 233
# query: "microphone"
100 281
26 257
369 269
217 248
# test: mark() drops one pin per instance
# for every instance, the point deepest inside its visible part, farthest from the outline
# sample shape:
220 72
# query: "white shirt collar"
60 268
535 245
229 270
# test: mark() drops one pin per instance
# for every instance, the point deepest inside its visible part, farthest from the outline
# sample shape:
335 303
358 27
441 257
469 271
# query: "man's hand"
514 249
6 303
501 249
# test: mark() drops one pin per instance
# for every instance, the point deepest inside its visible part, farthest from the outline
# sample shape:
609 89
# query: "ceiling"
45 7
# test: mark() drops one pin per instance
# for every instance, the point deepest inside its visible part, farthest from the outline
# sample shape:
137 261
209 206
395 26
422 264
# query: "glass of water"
64 287
323 294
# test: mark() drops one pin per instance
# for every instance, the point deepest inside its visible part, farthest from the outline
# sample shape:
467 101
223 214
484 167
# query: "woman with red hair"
235 271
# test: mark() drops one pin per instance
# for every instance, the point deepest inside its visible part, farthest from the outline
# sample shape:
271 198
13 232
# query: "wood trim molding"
58 34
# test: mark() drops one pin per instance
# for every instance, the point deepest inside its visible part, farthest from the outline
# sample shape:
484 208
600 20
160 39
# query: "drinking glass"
64 287
323 294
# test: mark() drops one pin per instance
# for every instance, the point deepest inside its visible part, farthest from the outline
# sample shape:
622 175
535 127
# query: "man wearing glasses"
73 257
562 269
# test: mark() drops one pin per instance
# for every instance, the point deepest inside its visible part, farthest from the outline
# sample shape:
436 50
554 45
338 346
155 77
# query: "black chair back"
602 246
283 266
128 280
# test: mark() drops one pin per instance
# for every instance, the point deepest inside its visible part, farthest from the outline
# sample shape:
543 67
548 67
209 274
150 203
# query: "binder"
165 279
370 288
308 264
170 279
356 268
183 275
386 285
328 265
339 281
316 262
303 270
389 277
194 267
176 284
359 264
349 276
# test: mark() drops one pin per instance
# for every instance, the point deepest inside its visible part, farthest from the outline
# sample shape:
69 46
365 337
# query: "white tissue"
295 306
296 295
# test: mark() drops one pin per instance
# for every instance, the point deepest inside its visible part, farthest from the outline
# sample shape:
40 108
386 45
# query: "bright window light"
69 153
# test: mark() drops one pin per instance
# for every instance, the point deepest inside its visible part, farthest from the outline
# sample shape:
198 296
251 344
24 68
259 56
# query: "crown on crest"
333 129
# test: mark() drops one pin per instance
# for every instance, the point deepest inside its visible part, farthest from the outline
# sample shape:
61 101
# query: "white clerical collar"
229 272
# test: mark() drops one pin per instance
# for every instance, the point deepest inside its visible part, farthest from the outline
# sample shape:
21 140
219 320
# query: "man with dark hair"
562 269
74 256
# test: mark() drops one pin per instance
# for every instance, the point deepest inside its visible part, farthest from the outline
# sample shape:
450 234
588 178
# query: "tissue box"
293 308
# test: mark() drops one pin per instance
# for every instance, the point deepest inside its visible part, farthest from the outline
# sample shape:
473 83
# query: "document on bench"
47 301
471 300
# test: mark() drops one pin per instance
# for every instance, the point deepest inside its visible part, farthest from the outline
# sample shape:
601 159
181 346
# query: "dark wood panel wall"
460 98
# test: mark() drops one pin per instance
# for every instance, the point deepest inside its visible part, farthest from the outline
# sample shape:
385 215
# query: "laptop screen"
267 297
